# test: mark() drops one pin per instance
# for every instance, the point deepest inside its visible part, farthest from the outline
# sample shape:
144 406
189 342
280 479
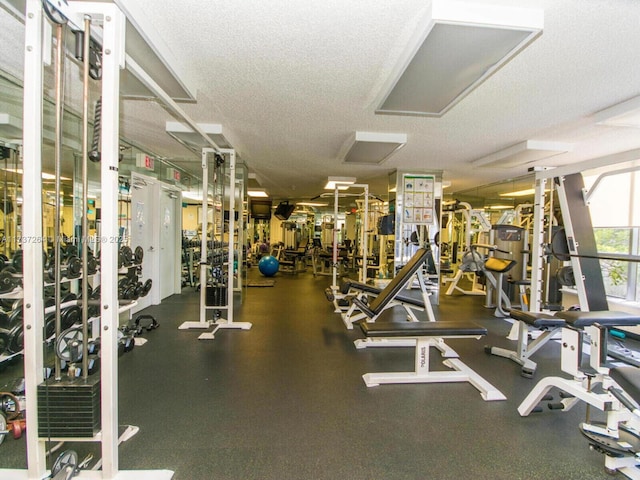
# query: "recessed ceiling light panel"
462 45
374 147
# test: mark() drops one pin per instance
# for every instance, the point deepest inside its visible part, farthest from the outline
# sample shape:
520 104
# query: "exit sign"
144 161
173 174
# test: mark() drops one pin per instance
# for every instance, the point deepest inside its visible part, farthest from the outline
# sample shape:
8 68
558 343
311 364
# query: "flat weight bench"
426 335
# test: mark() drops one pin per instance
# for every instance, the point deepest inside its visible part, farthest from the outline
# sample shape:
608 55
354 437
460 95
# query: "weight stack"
216 296
69 408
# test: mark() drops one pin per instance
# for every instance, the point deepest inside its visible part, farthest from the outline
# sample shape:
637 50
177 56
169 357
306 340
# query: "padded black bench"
549 325
426 335
609 318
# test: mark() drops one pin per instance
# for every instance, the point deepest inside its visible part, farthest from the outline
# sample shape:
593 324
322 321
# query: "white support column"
203 323
32 231
113 43
228 322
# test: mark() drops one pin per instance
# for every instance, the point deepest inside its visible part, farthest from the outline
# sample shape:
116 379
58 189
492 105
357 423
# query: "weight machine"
217 257
80 15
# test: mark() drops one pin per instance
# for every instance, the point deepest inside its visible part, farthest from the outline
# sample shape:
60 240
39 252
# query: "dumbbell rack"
131 264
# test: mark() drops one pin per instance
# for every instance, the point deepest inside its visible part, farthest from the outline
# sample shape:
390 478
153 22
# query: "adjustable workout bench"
360 290
384 299
425 335
548 324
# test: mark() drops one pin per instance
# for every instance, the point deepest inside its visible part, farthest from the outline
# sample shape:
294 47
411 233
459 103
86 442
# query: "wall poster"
418 191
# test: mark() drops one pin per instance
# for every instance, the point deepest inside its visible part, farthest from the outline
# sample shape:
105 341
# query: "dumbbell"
138 255
3 260
72 268
10 279
127 256
146 288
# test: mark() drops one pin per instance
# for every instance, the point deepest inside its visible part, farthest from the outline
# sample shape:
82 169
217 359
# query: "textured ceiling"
291 82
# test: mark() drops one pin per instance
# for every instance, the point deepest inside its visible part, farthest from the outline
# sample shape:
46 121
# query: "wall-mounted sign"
418 194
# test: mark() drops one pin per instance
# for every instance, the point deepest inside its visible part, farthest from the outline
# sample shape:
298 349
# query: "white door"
143 225
170 261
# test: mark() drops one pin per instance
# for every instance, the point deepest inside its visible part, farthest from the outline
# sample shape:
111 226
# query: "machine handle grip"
616 392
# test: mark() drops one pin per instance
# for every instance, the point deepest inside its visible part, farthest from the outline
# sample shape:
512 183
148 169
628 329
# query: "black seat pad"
421 329
606 318
537 319
629 379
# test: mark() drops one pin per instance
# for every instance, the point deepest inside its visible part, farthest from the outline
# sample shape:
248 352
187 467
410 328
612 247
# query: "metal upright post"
203 323
113 44
32 231
229 322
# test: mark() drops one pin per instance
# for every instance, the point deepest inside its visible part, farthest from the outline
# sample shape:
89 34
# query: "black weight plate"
49 302
69 297
7 282
92 265
147 287
15 317
139 289
138 255
49 324
120 259
74 267
16 339
70 316
3 262
128 255
123 283
95 293
16 261
70 251
128 293
4 341
4 320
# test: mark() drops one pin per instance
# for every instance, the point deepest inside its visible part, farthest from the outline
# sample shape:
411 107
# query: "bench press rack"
424 335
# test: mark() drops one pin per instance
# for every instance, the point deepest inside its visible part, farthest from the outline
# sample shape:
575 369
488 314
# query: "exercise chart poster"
418 199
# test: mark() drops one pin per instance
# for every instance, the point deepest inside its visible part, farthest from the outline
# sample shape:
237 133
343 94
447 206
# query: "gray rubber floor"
286 400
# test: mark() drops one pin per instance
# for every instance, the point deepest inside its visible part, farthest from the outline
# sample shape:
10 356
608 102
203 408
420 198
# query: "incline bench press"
359 290
390 295
425 335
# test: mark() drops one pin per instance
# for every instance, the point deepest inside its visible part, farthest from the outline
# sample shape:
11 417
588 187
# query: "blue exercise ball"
268 266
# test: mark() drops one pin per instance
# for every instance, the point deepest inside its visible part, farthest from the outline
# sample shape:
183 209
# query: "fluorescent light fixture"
498 207
461 45
312 204
192 195
373 147
625 114
341 183
523 153
519 193
257 193
186 136
45 175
